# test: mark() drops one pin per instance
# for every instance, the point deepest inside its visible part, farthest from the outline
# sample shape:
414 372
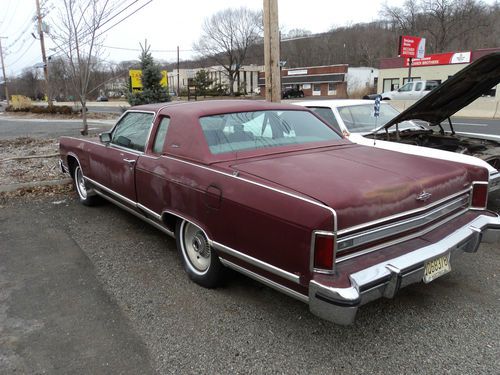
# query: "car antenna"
376 114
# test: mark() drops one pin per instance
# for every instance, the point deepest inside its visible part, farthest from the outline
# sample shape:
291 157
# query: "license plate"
436 267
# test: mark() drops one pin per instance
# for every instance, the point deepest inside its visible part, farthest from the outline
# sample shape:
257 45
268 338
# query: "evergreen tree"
152 90
202 82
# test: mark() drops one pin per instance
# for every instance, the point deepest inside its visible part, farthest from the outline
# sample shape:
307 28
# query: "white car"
355 120
398 132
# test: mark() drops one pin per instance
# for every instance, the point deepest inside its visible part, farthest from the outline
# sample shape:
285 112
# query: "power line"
87 32
22 55
123 19
153 50
12 16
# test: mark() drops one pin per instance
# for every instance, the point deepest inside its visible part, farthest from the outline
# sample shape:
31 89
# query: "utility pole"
272 51
44 57
3 71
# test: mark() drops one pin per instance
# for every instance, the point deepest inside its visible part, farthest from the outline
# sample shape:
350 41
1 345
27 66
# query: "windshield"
360 118
263 129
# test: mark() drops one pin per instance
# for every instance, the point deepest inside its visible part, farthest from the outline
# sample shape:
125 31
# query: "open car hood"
455 93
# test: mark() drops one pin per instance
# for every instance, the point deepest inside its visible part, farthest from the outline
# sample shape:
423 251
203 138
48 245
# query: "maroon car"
271 191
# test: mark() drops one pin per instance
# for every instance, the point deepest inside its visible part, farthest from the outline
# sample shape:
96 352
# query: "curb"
24 185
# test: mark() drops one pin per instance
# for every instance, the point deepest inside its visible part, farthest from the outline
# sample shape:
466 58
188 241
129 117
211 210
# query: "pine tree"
152 90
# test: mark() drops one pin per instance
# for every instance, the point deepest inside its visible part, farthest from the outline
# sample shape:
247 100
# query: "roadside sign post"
411 47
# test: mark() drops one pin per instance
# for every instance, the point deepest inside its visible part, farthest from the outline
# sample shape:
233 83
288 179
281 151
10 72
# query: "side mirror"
105 137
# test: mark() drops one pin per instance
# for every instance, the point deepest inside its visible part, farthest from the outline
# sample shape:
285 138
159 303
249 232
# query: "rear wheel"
86 194
199 260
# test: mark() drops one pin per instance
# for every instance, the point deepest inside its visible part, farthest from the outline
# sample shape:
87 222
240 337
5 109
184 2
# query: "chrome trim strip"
135 213
392 217
401 239
401 226
108 190
266 281
148 211
257 263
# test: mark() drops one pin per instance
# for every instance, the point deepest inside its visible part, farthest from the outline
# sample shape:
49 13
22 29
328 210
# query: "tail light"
479 195
323 251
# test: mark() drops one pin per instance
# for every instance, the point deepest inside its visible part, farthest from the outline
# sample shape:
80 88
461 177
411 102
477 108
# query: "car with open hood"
401 132
271 191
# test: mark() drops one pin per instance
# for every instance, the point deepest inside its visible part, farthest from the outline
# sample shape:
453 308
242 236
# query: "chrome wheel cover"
80 183
195 247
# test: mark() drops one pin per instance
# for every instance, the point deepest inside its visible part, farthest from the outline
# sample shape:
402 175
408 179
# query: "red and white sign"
411 46
441 59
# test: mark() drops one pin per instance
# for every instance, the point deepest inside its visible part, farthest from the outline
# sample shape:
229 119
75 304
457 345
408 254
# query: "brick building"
327 81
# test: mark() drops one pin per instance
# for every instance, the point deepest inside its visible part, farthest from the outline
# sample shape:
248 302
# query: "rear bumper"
385 279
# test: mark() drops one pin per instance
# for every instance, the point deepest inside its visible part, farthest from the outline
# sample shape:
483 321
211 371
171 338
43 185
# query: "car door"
404 93
128 142
418 92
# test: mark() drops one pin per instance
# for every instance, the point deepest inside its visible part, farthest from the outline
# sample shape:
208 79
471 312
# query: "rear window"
263 129
431 85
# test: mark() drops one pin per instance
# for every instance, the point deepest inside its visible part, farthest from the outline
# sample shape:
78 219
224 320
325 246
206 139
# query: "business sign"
297 72
136 81
441 59
411 46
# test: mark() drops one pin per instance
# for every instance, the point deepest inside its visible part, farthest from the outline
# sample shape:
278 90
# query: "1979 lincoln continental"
273 192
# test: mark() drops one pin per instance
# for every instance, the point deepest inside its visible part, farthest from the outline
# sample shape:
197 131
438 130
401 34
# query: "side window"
132 131
418 86
160 135
327 114
431 85
406 87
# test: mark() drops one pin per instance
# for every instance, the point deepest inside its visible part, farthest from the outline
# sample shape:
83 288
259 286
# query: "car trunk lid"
360 183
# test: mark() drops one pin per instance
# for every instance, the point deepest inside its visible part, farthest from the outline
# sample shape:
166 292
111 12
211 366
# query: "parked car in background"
411 91
102 98
292 93
398 132
271 191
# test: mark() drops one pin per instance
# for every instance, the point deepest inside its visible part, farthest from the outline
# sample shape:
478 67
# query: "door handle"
130 161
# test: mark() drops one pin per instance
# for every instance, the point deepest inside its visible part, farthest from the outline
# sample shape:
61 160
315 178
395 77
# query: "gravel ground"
28 169
449 326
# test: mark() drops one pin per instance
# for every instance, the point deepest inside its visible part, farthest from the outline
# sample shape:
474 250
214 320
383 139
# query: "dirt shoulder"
29 168
47 116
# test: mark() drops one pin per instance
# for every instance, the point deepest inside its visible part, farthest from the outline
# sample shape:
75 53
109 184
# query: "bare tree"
76 36
447 24
227 35
403 18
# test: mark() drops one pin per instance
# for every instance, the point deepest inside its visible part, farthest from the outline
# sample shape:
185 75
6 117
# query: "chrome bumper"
340 305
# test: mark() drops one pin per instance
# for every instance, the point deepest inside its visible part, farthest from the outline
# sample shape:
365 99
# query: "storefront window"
390 84
316 89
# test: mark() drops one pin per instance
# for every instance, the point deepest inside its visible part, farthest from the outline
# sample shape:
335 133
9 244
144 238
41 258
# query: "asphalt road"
449 326
20 127
475 125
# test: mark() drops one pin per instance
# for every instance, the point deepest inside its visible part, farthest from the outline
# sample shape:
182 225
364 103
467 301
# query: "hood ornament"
423 196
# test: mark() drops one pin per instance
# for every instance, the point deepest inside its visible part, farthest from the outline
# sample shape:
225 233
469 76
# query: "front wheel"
87 195
199 260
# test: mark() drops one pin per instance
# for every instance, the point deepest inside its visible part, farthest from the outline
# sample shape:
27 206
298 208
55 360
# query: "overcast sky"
167 24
